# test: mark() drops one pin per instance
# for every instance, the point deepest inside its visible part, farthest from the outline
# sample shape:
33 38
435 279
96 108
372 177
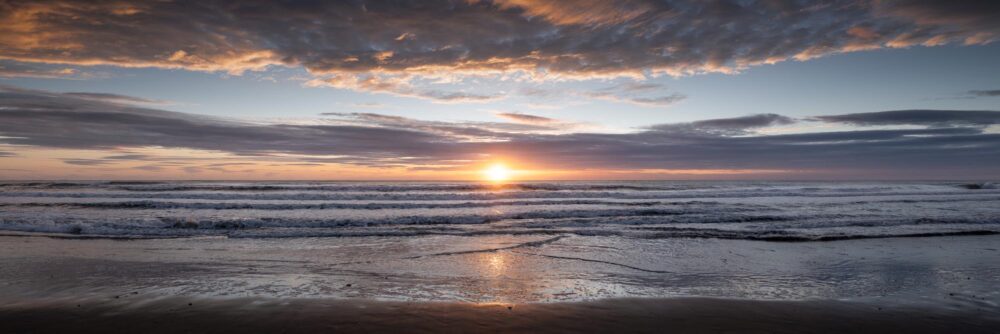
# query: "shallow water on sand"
951 272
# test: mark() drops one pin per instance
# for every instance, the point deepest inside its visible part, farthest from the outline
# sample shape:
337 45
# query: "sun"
497 173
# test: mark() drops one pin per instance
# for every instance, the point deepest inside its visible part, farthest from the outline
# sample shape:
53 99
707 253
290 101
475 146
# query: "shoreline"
775 238
685 314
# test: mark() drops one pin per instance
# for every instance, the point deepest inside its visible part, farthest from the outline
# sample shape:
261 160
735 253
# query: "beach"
461 257
683 315
920 285
500 166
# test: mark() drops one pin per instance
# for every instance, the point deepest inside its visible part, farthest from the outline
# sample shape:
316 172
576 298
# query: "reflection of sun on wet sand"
502 275
497 263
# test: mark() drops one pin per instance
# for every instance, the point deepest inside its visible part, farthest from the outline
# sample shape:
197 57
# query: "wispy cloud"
399 85
16 69
86 162
946 139
919 117
367 105
985 93
637 93
116 98
525 118
737 126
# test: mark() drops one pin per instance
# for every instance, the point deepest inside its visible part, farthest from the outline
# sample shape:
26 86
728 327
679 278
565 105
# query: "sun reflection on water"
496 264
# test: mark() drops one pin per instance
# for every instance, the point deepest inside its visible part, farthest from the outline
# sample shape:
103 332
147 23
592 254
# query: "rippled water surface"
905 242
653 210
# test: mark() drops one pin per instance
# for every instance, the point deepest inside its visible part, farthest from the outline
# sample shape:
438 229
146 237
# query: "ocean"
776 211
887 243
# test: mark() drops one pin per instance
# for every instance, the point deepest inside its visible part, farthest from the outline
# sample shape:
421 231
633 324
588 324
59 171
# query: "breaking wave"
764 211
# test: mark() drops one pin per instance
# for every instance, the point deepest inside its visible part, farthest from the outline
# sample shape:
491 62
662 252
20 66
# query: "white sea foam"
776 211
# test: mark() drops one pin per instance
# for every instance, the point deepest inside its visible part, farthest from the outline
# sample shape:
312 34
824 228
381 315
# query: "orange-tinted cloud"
542 38
525 118
581 12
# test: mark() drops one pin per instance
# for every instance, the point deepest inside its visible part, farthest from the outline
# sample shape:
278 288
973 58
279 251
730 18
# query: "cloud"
665 100
638 86
7 154
415 41
10 69
114 98
658 101
918 117
525 118
949 141
745 122
478 131
398 85
192 169
969 22
149 168
85 162
367 105
632 92
985 93
636 93
62 121
580 12
736 126
127 157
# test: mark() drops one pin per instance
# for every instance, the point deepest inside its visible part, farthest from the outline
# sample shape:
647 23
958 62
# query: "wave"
416 196
399 205
647 223
727 210
786 236
330 206
977 186
676 233
143 186
163 186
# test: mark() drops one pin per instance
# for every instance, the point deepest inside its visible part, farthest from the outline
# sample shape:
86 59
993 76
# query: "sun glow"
497 173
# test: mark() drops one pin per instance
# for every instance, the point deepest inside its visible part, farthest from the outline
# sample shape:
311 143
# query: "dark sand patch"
678 315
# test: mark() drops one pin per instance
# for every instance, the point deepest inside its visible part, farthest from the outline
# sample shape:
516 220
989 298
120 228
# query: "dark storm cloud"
568 38
54 120
919 117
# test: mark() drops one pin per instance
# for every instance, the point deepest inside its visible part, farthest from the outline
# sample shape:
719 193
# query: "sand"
649 315
508 284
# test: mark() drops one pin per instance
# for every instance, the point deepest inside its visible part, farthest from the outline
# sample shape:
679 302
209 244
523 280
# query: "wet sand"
679 315
463 284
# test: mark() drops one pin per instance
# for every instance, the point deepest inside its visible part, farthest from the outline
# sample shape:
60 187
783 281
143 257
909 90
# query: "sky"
550 89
